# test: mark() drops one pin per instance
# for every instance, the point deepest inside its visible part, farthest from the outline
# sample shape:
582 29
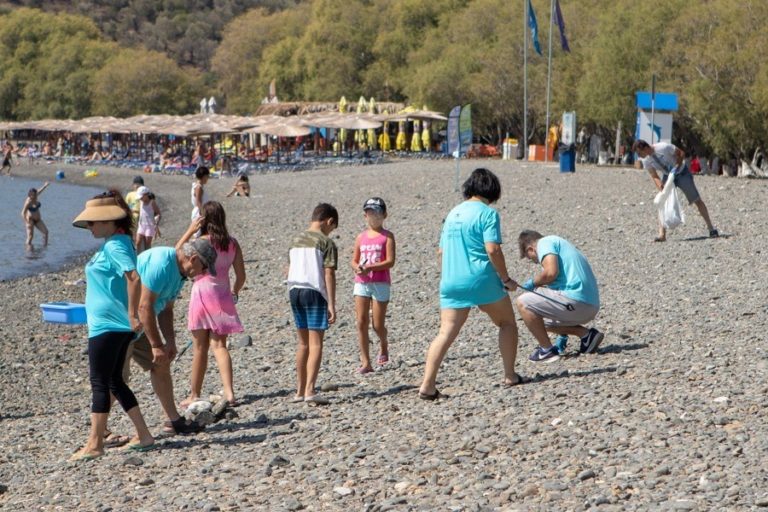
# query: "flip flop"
436 395
112 440
84 457
659 239
137 447
520 380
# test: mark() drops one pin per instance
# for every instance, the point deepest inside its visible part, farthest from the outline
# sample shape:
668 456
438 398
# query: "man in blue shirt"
567 297
163 272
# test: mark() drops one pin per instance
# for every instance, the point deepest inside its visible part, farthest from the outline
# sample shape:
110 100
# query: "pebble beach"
668 415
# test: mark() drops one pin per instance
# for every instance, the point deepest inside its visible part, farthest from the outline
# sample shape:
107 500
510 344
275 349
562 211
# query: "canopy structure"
209 124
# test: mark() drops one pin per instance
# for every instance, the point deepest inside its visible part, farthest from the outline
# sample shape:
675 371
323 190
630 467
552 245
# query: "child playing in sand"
373 256
312 289
241 187
149 218
30 212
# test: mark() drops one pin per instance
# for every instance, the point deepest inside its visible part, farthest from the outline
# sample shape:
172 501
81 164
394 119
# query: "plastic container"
567 159
64 313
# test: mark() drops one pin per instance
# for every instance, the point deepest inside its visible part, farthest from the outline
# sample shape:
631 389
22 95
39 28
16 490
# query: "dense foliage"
439 54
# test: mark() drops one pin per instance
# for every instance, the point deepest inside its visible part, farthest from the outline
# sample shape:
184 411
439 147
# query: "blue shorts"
310 309
380 292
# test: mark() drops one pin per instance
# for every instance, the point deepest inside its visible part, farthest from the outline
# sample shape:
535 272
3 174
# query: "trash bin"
567 154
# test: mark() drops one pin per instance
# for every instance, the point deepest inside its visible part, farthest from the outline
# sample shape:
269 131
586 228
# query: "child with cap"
149 218
373 256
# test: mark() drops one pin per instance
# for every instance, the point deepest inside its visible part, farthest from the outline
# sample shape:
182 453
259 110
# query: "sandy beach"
669 415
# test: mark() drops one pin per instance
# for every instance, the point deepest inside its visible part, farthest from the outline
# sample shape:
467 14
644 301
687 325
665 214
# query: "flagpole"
525 81
549 79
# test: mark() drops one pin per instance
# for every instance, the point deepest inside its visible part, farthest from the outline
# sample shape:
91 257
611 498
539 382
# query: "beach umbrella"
426 140
400 140
416 138
371 131
360 134
384 141
342 133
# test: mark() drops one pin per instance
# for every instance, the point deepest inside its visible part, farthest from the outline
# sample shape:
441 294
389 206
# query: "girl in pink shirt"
373 256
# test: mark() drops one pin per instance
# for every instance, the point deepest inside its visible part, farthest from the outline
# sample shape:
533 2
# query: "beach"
668 415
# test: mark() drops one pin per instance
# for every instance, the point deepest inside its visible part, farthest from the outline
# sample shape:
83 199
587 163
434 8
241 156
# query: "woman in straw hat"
111 302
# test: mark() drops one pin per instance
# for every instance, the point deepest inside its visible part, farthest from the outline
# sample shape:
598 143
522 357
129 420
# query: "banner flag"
453 131
561 26
534 28
465 128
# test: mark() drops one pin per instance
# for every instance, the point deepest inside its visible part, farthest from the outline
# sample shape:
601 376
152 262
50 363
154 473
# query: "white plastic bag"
669 206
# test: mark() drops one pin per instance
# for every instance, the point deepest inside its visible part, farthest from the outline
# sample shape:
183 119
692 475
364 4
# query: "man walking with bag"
668 158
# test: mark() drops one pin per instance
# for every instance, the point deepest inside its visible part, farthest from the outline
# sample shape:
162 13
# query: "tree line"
439 54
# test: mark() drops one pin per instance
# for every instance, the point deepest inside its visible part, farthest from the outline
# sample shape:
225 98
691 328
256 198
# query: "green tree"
145 82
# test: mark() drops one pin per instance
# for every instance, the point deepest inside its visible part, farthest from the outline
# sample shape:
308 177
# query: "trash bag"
669 206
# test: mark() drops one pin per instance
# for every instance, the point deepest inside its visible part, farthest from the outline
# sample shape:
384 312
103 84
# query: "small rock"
219 407
586 475
401 487
210 507
204 418
721 400
760 502
279 461
329 386
147 481
243 341
133 461
531 490
343 491
662 471
261 418
199 406
293 504
3 489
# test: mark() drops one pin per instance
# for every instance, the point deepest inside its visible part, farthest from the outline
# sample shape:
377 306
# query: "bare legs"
451 322
94 447
309 354
143 243
203 339
40 225
363 305
703 211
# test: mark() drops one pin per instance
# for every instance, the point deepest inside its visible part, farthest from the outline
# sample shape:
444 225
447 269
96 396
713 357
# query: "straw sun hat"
101 209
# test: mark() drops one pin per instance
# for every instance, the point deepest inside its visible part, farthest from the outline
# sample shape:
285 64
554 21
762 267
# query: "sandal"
382 359
520 380
364 369
434 396
659 239
112 440
138 447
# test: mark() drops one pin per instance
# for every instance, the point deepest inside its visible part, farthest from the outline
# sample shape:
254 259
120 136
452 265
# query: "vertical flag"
465 128
454 144
561 26
534 28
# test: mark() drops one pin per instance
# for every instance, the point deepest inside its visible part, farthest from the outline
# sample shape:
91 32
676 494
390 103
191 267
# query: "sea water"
61 202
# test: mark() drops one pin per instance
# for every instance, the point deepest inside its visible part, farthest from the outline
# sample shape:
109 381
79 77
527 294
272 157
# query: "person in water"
31 215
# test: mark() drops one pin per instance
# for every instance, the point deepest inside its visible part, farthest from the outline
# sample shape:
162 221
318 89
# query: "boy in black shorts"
312 288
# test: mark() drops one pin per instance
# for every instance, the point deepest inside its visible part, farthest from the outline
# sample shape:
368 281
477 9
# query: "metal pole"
653 107
549 79
525 82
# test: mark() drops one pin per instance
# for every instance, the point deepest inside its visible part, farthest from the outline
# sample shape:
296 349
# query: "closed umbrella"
342 133
384 142
371 131
360 134
416 139
400 139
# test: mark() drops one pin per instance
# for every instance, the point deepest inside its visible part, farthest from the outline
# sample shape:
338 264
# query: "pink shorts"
148 231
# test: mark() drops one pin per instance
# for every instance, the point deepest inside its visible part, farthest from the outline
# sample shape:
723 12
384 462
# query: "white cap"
141 192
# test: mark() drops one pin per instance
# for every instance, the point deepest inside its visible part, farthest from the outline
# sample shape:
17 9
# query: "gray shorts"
685 183
555 315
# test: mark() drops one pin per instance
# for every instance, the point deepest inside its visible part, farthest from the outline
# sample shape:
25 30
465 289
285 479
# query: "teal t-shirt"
106 293
159 271
575 277
468 277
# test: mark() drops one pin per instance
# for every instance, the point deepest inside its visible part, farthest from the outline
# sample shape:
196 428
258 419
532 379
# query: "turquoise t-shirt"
468 277
574 278
160 272
106 293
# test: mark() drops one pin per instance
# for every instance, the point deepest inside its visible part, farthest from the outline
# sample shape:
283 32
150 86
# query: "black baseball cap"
376 204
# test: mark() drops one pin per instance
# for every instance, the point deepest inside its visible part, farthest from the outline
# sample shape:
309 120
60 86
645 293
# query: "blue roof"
663 101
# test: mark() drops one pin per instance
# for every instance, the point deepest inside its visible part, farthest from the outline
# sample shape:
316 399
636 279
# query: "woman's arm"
134 295
496 255
156 211
238 265
45 186
24 210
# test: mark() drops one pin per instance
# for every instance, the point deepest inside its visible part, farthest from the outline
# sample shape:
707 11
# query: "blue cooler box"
64 313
